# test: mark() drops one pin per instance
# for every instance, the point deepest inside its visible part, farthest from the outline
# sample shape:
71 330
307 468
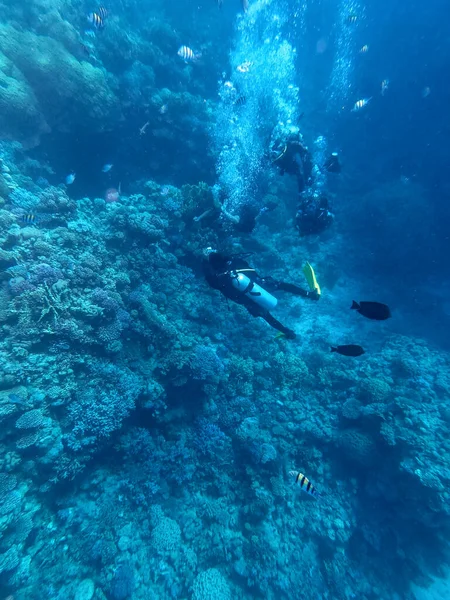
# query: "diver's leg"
268 318
292 289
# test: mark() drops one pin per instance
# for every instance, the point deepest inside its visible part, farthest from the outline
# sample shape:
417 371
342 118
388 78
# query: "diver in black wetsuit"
293 157
238 281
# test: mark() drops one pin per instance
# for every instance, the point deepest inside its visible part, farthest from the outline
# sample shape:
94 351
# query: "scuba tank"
252 290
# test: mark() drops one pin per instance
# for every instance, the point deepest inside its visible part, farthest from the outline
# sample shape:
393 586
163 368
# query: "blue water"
157 439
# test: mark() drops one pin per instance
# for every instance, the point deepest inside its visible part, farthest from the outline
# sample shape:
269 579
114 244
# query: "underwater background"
148 427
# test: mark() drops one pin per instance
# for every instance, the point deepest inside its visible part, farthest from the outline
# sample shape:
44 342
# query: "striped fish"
304 483
187 54
96 20
364 49
361 104
102 12
29 218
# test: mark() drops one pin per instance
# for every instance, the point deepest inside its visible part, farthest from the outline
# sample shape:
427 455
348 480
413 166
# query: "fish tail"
333 349
355 306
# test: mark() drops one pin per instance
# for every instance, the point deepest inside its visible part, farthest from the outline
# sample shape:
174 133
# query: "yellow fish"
304 483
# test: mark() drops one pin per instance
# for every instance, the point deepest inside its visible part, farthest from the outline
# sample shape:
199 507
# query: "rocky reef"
148 430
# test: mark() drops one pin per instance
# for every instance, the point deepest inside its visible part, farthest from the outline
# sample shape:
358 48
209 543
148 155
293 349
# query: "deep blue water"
157 438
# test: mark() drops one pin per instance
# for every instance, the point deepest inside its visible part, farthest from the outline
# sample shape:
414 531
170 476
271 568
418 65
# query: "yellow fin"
308 271
279 336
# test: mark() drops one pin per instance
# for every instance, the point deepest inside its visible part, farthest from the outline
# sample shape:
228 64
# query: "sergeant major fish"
361 104
304 483
96 20
188 55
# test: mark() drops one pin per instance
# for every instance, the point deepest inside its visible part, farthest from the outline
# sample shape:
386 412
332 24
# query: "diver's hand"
313 295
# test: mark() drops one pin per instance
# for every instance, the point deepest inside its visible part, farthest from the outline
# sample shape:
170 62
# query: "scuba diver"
291 156
237 280
313 215
245 218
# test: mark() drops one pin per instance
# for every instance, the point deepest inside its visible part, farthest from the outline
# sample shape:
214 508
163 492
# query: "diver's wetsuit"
295 159
218 271
313 216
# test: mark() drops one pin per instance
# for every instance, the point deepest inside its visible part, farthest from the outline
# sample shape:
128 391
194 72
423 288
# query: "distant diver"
291 156
238 281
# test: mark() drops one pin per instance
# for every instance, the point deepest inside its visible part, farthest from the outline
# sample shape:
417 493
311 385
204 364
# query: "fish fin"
355 306
280 335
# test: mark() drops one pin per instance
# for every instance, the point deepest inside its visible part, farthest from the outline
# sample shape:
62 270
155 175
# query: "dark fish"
219 3
240 101
372 310
348 350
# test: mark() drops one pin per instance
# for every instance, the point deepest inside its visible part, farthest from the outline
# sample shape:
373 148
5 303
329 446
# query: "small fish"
164 190
143 129
245 5
305 483
188 55
219 3
96 20
372 310
164 108
240 101
70 178
348 350
364 49
352 19
89 33
384 86
29 218
102 12
426 92
361 104
107 168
